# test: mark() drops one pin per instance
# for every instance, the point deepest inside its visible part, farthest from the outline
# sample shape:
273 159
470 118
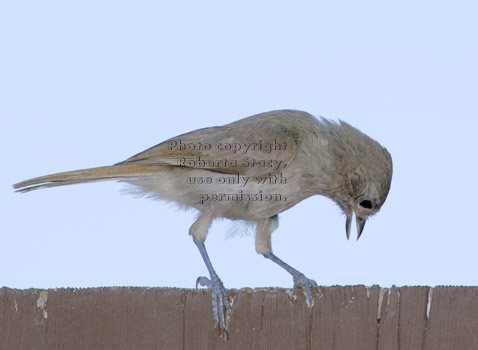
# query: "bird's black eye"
366 204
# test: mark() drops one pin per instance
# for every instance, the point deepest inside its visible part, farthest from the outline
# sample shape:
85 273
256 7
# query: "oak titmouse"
252 170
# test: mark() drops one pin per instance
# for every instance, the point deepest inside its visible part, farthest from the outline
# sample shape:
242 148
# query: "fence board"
351 317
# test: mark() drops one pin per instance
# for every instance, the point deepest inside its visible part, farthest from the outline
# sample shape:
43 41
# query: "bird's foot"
306 284
221 307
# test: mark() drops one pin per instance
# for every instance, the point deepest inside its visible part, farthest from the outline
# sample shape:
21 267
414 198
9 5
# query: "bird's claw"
221 307
307 284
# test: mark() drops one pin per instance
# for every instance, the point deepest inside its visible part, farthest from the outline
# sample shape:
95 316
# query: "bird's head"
363 173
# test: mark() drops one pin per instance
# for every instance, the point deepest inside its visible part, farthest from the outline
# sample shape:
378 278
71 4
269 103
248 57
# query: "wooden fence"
348 318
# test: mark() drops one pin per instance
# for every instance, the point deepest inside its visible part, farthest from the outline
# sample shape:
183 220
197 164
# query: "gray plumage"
311 157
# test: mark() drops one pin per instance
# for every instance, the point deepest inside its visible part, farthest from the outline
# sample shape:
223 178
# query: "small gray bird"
252 170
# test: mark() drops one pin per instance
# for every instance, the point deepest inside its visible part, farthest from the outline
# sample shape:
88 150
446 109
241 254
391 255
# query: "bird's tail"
114 172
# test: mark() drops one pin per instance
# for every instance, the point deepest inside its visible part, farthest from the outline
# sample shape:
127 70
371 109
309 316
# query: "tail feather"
114 172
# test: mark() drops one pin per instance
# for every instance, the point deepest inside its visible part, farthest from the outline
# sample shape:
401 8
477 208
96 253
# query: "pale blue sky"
90 83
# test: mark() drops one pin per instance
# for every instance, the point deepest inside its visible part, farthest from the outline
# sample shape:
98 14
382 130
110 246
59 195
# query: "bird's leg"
299 278
221 308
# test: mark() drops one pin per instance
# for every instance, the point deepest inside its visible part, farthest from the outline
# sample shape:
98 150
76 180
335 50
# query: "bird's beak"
360 226
347 225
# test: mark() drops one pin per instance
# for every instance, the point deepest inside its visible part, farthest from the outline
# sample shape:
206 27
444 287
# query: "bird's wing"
247 147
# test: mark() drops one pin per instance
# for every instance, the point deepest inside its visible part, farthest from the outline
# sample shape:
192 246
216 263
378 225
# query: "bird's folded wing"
248 147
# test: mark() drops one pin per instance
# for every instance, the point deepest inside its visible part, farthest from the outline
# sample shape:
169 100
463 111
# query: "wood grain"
351 317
